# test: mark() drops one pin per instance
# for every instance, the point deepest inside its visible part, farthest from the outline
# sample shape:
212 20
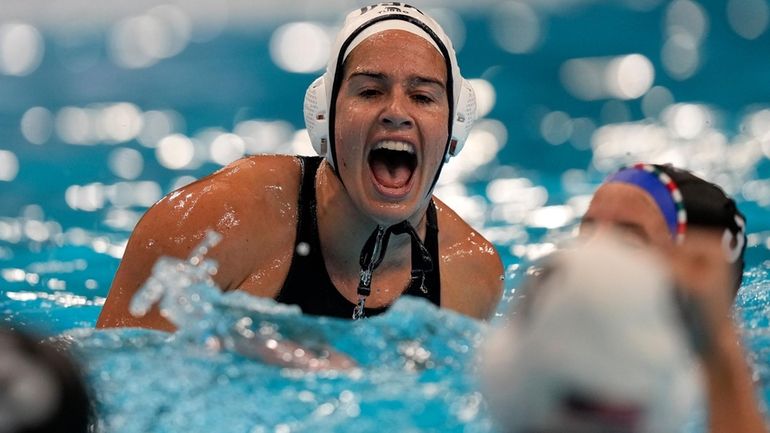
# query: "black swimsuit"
308 283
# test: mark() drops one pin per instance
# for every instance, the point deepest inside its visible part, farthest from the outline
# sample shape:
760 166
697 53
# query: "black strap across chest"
308 284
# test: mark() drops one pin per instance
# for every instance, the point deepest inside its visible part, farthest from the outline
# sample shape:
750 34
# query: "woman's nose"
395 113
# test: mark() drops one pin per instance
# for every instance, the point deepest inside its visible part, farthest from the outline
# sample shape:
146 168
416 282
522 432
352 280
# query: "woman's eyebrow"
414 81
422 80
368 74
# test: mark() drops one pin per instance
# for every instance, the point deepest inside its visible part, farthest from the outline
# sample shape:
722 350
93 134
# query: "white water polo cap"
360 24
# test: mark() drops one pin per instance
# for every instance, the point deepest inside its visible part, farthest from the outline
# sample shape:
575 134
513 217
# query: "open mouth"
393 163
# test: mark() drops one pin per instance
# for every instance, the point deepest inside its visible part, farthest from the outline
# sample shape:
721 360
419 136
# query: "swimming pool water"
414 374
523 179
417 370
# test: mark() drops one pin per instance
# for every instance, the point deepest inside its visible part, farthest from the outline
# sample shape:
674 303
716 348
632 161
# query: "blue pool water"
87 145
414 372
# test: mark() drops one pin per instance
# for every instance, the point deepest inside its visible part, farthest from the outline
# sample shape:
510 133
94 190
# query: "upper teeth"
395 145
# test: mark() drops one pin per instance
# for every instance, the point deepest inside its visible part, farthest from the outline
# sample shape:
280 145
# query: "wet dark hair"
72 411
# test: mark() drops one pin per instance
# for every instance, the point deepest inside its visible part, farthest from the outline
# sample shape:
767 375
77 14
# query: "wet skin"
253 201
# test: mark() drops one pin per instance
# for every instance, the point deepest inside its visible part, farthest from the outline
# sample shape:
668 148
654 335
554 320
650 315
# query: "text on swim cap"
391 7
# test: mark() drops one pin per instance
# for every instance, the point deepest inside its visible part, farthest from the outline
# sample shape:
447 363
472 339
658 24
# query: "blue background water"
57 260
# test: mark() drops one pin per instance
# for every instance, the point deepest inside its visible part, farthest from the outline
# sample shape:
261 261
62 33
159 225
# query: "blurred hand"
702 272
704 276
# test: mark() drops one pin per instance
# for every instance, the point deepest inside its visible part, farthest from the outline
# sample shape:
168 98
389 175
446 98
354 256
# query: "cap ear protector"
734 241
319 95
316 110
464 116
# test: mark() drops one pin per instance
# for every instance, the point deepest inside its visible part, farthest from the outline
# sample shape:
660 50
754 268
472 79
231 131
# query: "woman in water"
347 233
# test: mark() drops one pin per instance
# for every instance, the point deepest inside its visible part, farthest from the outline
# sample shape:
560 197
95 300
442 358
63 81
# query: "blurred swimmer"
701 233
41 390
595 343
661 206
347 233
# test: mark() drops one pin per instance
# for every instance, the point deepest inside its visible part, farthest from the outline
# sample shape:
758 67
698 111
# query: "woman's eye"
368 93
423 99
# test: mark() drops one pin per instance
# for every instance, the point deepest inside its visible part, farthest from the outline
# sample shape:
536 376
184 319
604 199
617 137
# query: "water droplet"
303 249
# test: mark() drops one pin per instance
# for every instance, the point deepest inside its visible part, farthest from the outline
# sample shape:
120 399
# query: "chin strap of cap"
374 251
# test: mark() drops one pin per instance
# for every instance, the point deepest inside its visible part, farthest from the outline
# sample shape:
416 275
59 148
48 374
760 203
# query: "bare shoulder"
471 268
251 202
238 199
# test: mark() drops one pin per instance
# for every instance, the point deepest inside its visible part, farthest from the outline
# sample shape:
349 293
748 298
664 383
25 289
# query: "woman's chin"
389 213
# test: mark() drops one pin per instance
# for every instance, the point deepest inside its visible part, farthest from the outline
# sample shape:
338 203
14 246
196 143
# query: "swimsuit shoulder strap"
306 244
428 284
